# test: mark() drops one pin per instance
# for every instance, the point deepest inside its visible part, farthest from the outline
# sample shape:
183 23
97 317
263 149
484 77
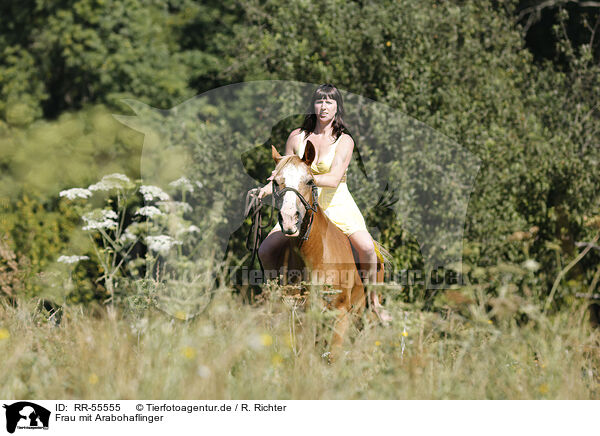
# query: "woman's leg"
269 252
363 244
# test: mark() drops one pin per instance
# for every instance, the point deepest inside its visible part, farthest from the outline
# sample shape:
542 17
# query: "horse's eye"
311 182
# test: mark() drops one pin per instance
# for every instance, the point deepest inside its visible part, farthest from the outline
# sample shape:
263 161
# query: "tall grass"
238 351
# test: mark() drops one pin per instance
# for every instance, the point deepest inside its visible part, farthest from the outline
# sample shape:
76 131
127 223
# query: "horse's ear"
276 156
309 153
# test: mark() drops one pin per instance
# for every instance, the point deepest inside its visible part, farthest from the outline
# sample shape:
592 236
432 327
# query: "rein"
253 207
307 205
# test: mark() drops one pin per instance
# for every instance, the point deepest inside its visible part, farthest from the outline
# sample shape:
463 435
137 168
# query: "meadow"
235 350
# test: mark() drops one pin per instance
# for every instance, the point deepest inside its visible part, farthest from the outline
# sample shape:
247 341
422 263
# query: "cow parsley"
161 244
74 193
151 192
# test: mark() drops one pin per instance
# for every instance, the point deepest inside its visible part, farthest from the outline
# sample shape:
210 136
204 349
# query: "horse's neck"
313 246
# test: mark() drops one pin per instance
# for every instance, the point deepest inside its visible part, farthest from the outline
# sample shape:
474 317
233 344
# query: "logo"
26 415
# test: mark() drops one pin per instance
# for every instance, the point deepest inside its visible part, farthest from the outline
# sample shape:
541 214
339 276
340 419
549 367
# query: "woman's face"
325 109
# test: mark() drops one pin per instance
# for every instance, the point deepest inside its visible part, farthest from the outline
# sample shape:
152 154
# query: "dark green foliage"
62 55
461 67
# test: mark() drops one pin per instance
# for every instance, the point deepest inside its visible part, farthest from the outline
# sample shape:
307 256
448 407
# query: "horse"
316 245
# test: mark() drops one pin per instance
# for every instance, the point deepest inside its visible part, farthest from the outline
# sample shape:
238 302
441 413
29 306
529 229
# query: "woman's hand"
268 188
265 190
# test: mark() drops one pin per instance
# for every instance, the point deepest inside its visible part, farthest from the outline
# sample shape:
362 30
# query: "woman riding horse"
324 127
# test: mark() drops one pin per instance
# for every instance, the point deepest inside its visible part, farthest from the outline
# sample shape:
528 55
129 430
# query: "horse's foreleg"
358 295
339 331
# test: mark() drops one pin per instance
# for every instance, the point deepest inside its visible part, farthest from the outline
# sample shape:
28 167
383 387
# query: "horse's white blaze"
292 175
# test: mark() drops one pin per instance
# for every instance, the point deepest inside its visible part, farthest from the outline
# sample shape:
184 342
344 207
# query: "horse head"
294 189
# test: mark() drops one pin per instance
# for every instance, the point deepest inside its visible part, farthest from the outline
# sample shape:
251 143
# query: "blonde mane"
284 161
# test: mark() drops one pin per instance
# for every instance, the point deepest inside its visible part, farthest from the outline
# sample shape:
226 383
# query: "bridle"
254 205
278 196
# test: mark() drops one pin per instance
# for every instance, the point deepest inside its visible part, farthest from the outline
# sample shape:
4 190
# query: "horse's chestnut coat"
327 253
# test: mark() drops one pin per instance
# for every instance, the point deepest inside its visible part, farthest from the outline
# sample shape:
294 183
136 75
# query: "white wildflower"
199 184
190 229
118 176
161 244
148 211
109 214
134 231
174 206
151 192
127 236
96 225
204 371
531 265
74 193
184 183
71 259
111 181
104 219
100 186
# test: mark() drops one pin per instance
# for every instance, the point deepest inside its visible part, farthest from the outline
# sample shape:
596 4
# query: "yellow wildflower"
266 339
188 352
4 334
93 379
388 44
544 388
377 343
276 360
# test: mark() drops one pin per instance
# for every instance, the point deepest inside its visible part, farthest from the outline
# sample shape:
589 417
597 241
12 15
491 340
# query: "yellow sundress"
337 203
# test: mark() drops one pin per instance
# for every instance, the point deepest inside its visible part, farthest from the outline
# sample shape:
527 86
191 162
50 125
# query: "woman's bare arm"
293 142
341 160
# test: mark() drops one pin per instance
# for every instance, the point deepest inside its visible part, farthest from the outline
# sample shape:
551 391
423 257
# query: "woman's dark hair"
326 91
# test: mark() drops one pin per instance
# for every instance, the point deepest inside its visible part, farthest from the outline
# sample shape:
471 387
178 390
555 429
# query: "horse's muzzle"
290 225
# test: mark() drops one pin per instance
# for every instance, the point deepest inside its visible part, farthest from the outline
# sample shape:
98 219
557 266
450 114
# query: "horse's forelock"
286 160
